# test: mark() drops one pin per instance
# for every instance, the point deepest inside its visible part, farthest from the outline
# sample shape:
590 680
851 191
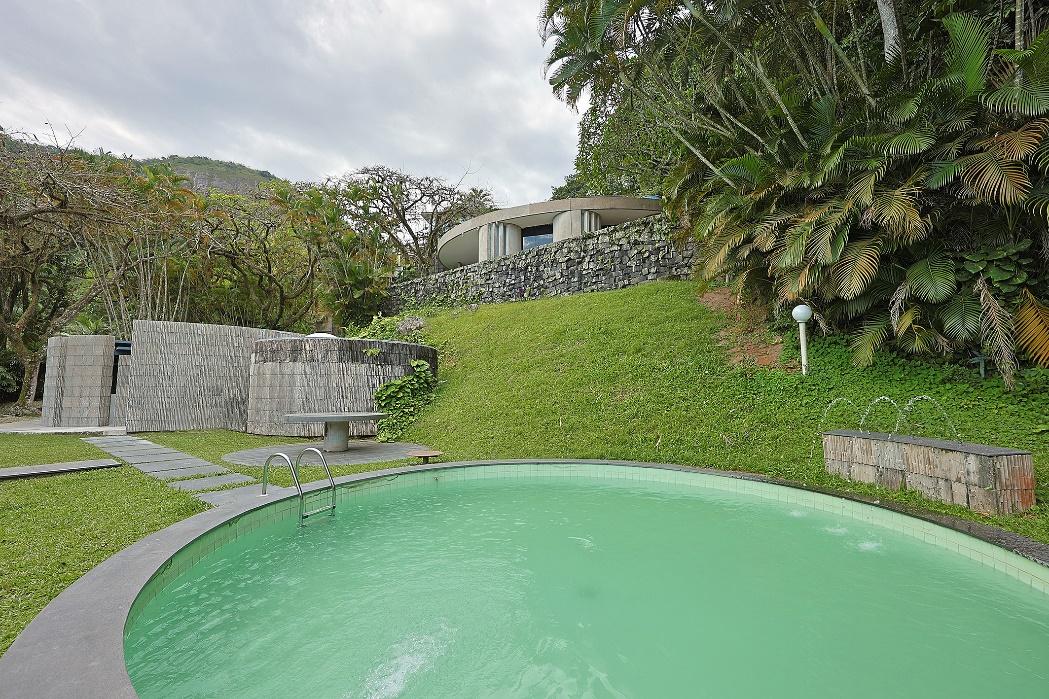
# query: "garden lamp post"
803 314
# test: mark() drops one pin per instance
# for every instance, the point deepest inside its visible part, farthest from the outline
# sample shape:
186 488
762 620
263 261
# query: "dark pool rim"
75 645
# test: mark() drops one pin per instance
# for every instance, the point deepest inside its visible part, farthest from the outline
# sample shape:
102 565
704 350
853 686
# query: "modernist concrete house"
509 231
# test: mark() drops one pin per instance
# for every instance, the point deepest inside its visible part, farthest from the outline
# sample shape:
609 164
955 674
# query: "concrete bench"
336 426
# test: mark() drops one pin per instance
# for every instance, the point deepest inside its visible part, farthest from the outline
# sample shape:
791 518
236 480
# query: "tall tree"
411 212
59 210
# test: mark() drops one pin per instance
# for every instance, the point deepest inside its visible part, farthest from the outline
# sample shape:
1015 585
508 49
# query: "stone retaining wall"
78 381
991 480
611 258
320 375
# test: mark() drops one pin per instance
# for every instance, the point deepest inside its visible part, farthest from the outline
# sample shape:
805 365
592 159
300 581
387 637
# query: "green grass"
639 374
35 449
55 529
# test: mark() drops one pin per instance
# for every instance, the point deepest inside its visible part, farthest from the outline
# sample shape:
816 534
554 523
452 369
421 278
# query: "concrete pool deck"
75 646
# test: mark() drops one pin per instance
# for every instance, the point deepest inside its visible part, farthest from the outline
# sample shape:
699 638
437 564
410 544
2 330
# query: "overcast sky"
303 88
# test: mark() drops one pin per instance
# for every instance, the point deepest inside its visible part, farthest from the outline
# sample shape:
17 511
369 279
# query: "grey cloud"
304 89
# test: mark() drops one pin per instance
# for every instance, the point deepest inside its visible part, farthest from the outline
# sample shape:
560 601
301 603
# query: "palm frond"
933 277
1031 324
996 328
857 267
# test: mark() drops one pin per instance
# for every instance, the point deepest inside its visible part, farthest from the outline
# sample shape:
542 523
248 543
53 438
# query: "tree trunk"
1018 26
890 29
30 363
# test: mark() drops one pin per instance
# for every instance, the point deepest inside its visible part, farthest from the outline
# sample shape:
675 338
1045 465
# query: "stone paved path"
52 469
361 451
166 464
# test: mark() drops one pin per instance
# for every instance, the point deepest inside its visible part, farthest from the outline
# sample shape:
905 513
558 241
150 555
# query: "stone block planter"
991 480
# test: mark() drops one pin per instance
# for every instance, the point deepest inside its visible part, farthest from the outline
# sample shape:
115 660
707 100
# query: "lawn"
35 449
55 529
641 374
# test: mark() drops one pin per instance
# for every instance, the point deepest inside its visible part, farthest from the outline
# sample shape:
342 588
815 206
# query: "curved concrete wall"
322 374
495 240
572 224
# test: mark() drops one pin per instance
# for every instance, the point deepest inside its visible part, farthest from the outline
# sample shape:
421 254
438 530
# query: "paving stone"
52 469
188 471
187 462
153 456
234 496
211 482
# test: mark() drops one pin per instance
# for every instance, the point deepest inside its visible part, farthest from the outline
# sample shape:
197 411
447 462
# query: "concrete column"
496 240
514 239
572 224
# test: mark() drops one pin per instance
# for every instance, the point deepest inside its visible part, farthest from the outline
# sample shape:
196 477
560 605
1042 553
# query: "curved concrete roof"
459 245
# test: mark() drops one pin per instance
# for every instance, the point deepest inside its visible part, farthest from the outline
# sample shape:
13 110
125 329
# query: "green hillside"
641 374
205 174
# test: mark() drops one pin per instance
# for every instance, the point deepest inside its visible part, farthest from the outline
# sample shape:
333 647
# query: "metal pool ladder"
303 514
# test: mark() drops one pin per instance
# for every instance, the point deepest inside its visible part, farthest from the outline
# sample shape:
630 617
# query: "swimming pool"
589 580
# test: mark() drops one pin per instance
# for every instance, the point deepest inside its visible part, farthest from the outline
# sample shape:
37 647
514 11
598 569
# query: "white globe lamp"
803 314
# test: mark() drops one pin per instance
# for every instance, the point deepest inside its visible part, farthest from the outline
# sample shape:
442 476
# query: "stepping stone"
187 462
52 469
212 482
116 440
188 471
249 493
131 447
148 457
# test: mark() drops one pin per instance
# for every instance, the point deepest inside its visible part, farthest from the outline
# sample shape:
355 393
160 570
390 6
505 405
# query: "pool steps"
294 466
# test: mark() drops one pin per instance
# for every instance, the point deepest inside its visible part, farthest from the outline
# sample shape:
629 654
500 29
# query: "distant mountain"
205 174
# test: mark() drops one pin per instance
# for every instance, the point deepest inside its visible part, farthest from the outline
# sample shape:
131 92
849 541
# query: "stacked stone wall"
611 258
190 376
78 381
991 480
320 375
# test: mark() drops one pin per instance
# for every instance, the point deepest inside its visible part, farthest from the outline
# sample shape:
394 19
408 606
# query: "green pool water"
585 586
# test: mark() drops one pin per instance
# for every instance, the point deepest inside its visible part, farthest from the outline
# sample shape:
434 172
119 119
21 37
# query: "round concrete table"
336 426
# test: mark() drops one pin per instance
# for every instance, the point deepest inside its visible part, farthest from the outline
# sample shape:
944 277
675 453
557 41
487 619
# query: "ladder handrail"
302 498
266 471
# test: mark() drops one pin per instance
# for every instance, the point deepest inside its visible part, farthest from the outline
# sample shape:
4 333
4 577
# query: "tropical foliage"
886 163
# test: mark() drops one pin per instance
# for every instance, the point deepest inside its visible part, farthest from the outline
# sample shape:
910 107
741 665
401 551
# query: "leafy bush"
396 328
402 399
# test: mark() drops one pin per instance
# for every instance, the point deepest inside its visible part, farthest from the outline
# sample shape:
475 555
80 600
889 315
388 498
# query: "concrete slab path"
52 469
182 471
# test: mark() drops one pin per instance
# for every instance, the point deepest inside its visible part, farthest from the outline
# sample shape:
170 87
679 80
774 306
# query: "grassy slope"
55 529
638 374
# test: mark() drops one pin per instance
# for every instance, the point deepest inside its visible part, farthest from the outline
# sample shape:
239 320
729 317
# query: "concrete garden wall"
78 381
611 258
992 480
323 374
190 376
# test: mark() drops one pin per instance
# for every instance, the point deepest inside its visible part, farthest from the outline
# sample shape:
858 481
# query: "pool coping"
75 645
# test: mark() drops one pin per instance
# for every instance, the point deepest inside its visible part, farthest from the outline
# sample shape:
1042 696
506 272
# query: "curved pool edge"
75 645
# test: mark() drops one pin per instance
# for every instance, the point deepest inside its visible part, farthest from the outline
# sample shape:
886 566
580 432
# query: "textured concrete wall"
78 381
611 258
992 480
187 376
119 399
312 375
